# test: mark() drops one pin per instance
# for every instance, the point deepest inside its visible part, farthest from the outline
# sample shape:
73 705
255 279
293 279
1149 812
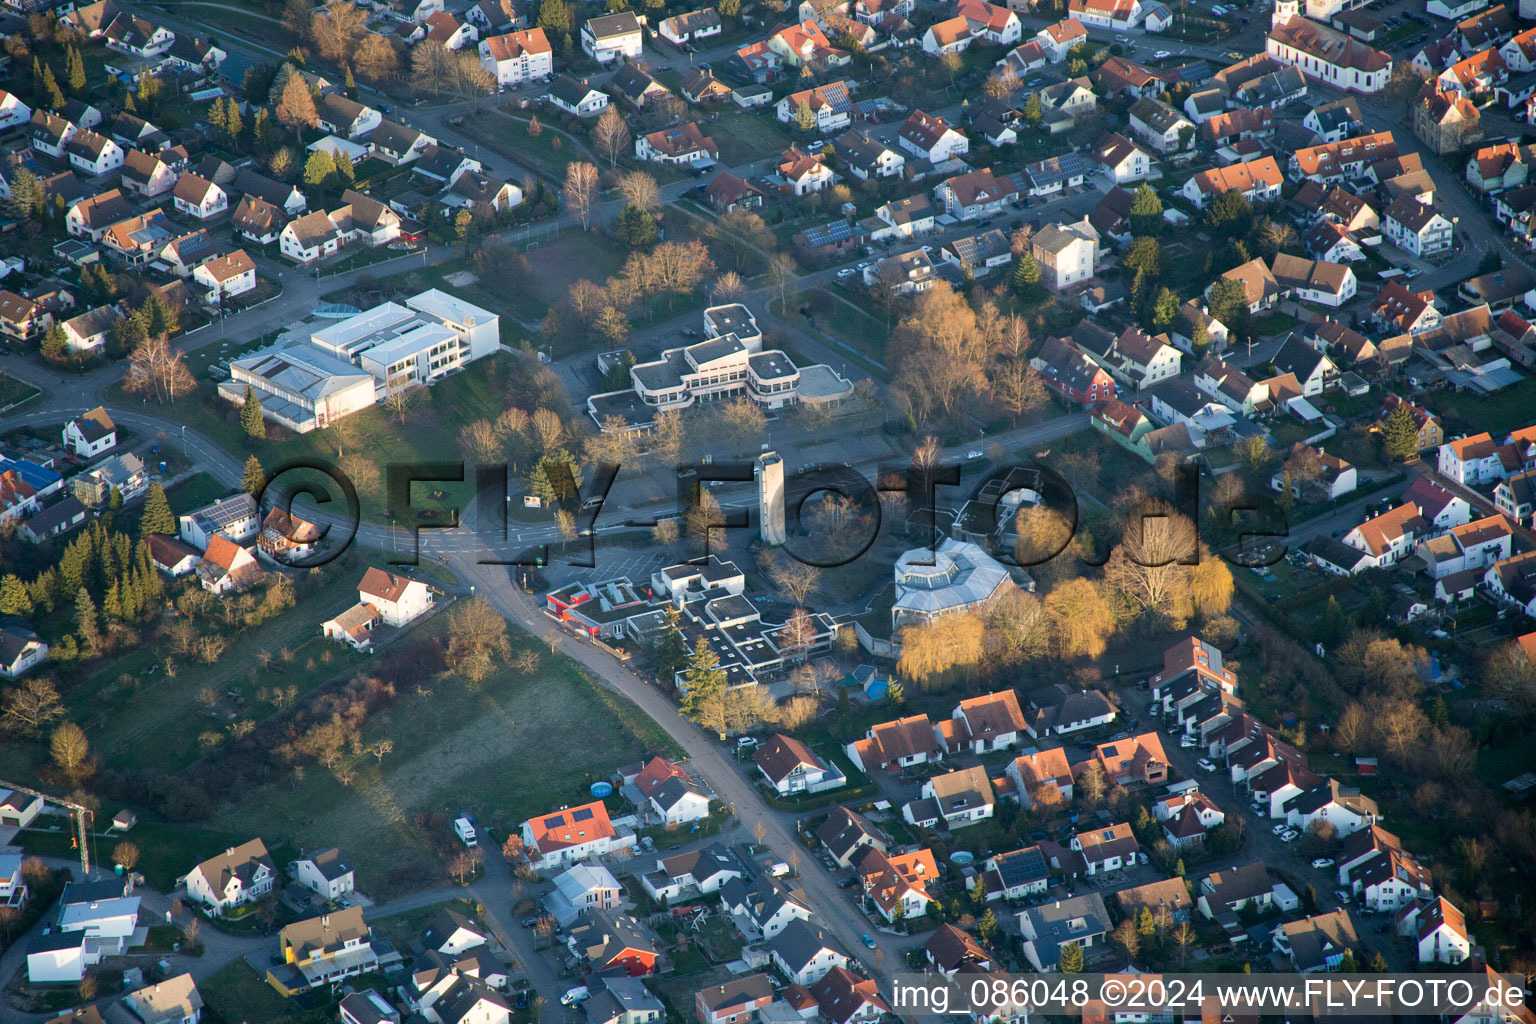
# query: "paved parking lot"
614 561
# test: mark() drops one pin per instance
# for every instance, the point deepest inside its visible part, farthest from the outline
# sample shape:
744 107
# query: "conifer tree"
253 478
251 420
74 71
14 597
85 621
51 90
234 124
157 517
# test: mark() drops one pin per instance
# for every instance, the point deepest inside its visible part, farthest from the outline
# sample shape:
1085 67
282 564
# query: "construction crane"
80 813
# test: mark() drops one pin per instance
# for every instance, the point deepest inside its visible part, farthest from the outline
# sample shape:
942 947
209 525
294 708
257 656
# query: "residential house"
948 949
932 138
737 1001
608 37
1120 160
1041 770
518 57
578 96
980 724
21 650
226 567
845 834
901 743
91 217
951 35
955 799
805 953
608 940
1106 849
576 833
700 871
1066 253
235 518
224 277
1129 762
791 767
801 173
1438 930
1060 709
974 195
309 238
1045 929
1389 537
582 888
241 874
679 144
830 106
173 1001
867 157
123 473
147 174
1014 875
1418 229
22 318
844 998
93 154
893 881
1227 892
692 26
762 908
1259 181
322 951
1071 373
806 44
1317 943
90 434
1447 122
325 872
1160 126
1471 461
991 23
257 220
1168 897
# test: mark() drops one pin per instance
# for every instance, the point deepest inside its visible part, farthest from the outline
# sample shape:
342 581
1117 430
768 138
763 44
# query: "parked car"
847 882
867 940
1188 742
1206 764
1280 830
845 272
1161 55
1322 862
1290 835
1344 895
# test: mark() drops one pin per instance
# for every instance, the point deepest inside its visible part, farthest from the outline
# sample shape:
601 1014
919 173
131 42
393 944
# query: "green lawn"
1497 413
429 434
14 392
744 137
456 745
403 929
238 993
166 852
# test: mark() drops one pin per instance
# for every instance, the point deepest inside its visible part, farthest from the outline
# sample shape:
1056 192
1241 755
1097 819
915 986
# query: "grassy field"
467 746
14 392
429 434
744 137
166 852
238 993
1497 413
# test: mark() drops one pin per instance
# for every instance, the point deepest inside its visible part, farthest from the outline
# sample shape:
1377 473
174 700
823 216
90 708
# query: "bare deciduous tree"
580 191
157 371
640 190
610 136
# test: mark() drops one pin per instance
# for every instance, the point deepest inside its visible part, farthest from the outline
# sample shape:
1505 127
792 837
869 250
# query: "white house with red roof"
991 23
563 837
1471 461
1438 930
1057 39
845 998
1439 507
932 138
792 767
1387 538
992 721
898 880
518 56
400 600
1114 15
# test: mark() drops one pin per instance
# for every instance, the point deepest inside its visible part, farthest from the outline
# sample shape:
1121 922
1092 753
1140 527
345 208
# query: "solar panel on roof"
581 815
554 822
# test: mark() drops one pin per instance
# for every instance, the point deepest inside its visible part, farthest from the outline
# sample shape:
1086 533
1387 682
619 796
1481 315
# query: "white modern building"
729 363
348 365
